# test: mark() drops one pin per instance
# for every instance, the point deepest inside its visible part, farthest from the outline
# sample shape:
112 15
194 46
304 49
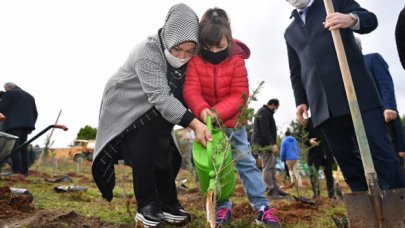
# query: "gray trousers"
269 170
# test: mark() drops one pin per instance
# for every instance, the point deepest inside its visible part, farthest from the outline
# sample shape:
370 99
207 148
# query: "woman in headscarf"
141 103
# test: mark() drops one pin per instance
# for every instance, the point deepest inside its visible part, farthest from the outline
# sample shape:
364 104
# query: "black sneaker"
151 216
274 194
282 193
175 214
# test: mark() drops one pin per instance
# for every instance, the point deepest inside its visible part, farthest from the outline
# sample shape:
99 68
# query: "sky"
63 52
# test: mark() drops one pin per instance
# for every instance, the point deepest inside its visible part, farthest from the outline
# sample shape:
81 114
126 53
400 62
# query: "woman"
141 104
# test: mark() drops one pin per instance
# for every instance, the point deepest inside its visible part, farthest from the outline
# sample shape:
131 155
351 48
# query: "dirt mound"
11 204
55 218
18 211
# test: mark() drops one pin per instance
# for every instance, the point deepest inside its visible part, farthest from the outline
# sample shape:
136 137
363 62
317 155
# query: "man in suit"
318 86
379 69
20 113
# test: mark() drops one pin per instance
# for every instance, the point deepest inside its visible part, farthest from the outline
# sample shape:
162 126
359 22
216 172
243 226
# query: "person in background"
318 87
400 36
141 103
2 117
20 112
319 155
379 69
265 135
216 84
290 153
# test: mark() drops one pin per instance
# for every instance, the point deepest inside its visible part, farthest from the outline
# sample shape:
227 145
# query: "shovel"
375 207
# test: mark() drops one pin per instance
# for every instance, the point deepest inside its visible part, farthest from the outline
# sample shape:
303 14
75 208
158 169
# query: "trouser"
294 173
269 171
327 170
155 162
20 158
340 135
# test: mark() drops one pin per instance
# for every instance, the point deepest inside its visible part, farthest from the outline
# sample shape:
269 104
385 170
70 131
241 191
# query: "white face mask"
299 4
174 61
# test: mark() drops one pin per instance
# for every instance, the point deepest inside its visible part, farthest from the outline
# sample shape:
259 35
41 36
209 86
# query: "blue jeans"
250 175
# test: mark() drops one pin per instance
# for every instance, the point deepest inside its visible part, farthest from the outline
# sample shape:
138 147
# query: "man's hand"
402 154
302 114
274 149
338 21
2 117
314 142
389 115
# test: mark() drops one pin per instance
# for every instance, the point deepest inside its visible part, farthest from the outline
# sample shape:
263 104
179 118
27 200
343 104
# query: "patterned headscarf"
181 26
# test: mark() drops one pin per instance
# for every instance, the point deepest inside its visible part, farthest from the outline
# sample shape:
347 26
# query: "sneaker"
267 218
282 193
175 214
151 216
274 194
223 216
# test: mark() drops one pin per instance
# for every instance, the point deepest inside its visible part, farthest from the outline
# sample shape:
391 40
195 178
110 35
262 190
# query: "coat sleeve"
400 37
295 77
265 126
192 90
382 76
368 20
283 152
228 107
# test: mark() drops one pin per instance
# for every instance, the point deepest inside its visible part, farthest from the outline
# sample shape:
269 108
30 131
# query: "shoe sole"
148 223
262 224
176 219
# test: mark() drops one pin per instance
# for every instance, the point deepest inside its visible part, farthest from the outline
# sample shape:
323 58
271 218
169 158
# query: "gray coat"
141 82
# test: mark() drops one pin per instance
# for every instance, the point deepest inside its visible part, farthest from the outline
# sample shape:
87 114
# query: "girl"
216 79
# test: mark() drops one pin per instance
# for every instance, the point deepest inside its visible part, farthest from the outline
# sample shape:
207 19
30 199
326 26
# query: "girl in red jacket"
217 79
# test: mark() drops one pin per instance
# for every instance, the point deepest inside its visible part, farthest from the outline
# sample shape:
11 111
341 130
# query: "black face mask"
214 57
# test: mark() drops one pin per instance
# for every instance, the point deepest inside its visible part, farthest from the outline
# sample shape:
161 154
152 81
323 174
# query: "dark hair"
287 132
273 101
214 25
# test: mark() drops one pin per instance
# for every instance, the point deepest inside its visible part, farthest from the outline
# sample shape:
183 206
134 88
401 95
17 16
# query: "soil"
18 211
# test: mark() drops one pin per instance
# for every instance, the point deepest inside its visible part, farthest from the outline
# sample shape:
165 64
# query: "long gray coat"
141 84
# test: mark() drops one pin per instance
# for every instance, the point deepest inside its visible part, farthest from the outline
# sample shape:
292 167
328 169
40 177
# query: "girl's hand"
206 112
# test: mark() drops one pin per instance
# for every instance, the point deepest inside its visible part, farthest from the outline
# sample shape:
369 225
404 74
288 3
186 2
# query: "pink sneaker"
223 216
267 218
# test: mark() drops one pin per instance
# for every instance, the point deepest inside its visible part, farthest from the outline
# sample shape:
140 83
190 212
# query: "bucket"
7 142
206 158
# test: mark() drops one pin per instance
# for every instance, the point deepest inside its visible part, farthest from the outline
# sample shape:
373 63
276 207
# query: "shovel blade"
361 213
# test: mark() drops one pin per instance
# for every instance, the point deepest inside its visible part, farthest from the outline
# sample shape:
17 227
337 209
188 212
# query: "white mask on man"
174 61
299 4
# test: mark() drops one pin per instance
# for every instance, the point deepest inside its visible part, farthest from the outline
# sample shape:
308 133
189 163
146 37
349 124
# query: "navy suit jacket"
19 108
314 68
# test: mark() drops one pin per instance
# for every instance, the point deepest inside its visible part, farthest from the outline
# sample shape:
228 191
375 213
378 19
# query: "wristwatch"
355 19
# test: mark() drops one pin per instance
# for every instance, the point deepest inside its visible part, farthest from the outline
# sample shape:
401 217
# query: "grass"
122 209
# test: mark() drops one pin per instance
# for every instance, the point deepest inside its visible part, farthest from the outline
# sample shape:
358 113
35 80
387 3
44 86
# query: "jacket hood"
181 26
289 139
241 49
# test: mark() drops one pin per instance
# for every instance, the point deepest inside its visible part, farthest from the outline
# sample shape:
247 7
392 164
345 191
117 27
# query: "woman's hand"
202 135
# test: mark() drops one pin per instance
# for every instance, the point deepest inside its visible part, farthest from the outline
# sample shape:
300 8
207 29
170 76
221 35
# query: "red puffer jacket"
220 87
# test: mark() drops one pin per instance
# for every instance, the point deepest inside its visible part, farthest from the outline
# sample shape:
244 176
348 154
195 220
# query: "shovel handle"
368 165
351 97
